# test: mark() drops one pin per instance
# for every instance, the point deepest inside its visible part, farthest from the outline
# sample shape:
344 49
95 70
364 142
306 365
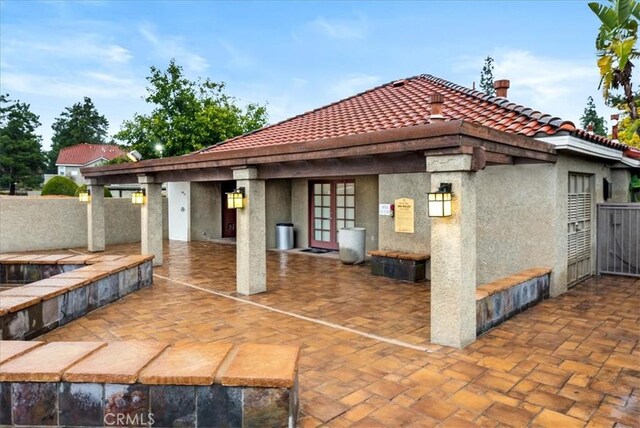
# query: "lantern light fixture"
85 196
235 199
440 201
138 197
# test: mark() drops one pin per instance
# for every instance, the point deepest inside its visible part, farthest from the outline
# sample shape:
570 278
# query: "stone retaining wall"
144 383
66 287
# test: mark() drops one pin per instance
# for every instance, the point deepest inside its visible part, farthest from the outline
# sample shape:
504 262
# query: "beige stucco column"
151 218
95 217
251 260
453 254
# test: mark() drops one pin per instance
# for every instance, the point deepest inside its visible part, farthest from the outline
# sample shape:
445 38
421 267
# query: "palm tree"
616 48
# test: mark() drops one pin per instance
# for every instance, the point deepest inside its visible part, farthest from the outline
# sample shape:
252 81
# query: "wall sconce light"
85 196
440 201
235 199
134 156
138 197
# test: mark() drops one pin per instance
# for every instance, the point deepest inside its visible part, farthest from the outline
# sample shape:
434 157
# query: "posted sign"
404 215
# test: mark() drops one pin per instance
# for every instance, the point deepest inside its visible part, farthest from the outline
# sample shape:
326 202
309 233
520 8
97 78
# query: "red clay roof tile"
82 154
395 105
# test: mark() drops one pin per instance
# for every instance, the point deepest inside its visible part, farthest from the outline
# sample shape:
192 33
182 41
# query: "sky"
293 56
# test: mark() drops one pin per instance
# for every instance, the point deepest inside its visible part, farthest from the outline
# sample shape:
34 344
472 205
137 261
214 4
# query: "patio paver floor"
569 361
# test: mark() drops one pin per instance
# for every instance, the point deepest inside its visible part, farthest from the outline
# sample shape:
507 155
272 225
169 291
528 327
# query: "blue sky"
293 56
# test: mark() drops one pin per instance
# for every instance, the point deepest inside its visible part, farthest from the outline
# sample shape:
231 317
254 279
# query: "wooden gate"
619 239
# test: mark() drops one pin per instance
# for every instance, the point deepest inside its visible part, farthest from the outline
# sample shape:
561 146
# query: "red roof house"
85 154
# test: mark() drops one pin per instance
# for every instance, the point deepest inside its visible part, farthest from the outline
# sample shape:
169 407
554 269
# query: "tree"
616 47
188 115
80 123
590 116
486 77
21 158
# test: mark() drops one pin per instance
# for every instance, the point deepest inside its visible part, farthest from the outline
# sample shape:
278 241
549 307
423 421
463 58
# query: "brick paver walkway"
570 361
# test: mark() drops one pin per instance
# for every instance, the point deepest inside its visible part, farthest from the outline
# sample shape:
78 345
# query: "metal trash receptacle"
284 236
352 245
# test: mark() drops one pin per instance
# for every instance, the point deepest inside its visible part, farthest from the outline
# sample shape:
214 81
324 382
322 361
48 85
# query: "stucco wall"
367 208
40 223
414 186
515 220
278 207
620 179
206 211
300 211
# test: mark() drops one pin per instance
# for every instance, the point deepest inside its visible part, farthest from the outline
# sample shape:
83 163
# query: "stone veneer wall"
63 292
496 308
136 383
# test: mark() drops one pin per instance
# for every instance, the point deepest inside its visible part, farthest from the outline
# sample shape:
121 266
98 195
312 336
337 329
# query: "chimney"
614 126
436 101
590 128
501 87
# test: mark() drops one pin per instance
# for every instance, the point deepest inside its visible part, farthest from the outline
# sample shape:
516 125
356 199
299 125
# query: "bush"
83 188
60 185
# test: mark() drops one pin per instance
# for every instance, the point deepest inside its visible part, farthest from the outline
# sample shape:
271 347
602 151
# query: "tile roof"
405 103
82 154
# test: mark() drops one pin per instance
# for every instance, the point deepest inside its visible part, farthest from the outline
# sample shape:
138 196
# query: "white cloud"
343 29
352 84
236 58
552 85
167 46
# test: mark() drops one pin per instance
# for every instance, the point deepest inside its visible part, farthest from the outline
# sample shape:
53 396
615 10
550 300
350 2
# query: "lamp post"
159 148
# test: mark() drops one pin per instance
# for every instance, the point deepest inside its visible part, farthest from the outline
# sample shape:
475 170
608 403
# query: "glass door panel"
332 207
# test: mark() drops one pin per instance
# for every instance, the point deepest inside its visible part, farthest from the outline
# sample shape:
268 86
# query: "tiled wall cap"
110 267
21 259
186 364
51 259
44 293
10 304
91 275
118 362
77 260
55 281
105 258
7 256
262 366
46 363
12 348
512 280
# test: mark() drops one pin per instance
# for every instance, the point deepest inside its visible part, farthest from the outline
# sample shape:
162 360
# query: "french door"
579 227
332 206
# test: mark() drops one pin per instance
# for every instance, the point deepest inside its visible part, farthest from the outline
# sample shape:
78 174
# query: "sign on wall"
384 209
404 215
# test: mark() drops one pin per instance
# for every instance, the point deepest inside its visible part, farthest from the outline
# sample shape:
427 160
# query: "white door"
179 196
579 227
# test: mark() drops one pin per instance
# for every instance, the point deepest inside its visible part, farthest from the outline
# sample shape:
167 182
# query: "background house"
71 159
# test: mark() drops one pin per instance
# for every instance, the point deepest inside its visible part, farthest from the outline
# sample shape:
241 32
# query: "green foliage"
486 77
80 123
60 185
590 116
616 48
188 115
118 160
83 188
21 159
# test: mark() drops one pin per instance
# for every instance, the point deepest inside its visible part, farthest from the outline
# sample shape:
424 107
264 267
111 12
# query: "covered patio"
570 361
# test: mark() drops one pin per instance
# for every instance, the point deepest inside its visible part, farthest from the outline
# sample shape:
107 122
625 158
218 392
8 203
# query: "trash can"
284 236
351 245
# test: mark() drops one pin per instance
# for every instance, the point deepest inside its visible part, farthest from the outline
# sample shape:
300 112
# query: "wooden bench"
399 265
499 300
140 383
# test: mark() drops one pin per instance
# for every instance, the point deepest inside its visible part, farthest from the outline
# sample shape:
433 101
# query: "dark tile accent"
145 275
128 281
81 404
69 268
34 403
23 324
51 312
126 405
407 270
5 403
74 304
265 407
219 406
47 271
173 406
